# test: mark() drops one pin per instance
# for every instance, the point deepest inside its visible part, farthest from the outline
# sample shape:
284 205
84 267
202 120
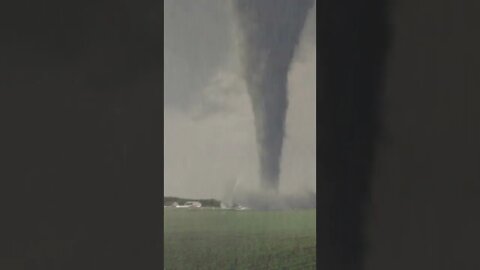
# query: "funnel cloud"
269 34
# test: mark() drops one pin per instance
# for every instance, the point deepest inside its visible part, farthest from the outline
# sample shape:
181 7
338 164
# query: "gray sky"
209 130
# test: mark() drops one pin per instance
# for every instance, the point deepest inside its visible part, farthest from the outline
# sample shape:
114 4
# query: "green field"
227 239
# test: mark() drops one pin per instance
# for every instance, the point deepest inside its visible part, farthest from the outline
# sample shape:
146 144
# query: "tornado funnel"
269 31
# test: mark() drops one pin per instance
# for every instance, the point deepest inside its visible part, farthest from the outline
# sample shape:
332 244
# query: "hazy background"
209 133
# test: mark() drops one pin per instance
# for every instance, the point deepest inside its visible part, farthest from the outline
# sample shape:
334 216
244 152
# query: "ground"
229 239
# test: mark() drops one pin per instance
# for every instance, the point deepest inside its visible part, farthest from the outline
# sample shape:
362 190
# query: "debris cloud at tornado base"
269 31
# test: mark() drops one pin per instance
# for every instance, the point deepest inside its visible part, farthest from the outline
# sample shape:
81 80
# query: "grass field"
226 239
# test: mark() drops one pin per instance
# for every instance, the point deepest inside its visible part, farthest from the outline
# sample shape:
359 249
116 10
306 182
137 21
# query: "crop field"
228 239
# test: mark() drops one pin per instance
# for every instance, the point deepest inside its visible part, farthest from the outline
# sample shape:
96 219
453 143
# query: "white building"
193 204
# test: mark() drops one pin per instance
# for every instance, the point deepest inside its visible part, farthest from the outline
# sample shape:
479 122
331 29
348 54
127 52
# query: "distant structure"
208 204
189 204
194 204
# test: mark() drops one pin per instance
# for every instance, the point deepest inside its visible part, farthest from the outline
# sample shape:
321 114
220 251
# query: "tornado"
269 31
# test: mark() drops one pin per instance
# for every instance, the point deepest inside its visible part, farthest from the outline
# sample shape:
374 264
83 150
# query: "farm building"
193 204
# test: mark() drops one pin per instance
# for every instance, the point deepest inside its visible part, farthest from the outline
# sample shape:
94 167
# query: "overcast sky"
209 130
